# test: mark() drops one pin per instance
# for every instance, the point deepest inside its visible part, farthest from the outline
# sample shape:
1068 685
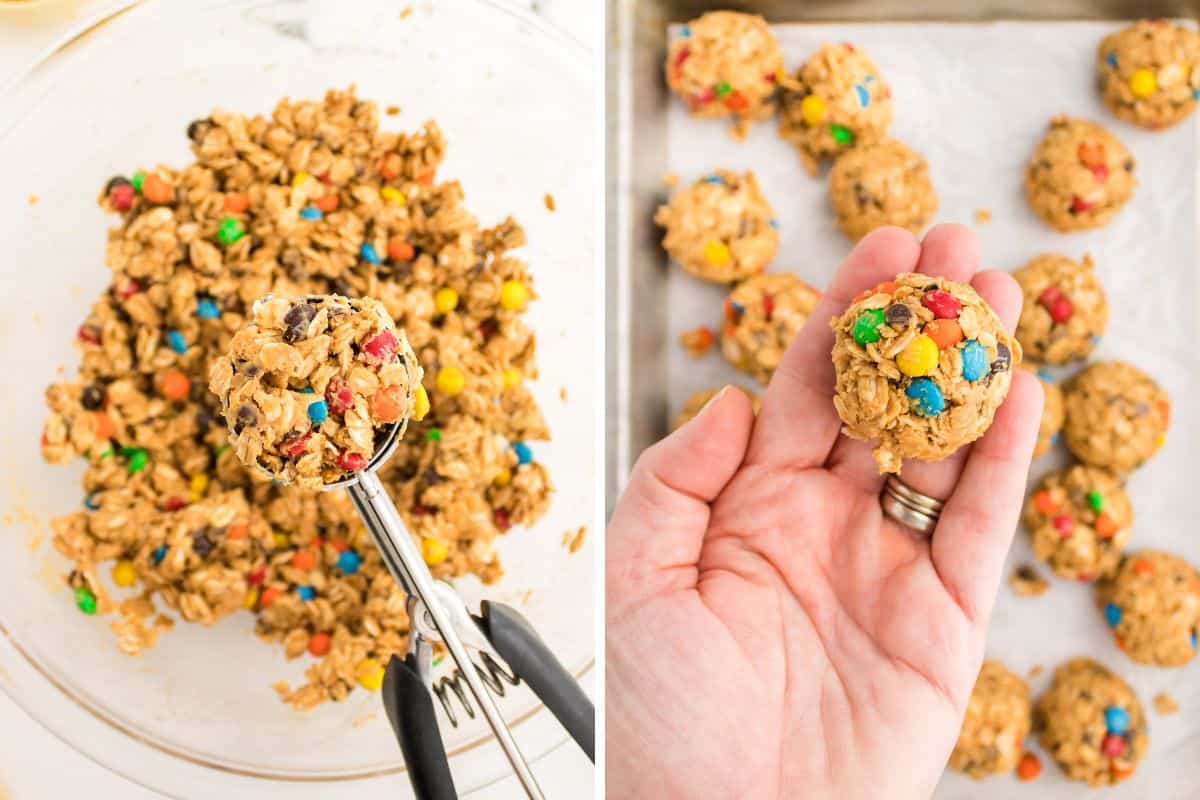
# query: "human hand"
770 633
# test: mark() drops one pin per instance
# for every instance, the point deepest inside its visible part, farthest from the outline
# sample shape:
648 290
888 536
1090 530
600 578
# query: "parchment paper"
975 99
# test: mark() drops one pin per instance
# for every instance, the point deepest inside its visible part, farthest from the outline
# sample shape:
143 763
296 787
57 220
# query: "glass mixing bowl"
195 716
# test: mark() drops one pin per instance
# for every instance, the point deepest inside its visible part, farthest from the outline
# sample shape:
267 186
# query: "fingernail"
714 399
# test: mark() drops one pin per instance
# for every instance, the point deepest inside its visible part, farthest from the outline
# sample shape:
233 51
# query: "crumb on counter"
697 341
982 215
549 201
573 539
33 199
670 179
1165 704
393 110
1026 582
405 12
562 393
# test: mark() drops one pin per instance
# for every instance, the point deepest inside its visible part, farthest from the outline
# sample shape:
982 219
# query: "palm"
799 638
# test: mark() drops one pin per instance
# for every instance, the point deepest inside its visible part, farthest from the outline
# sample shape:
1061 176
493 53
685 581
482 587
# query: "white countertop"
34 764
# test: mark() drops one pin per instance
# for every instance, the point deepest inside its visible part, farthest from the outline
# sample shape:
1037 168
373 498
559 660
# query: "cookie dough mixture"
721 228
1150 72
1053 415
882 183
1065 311
762 314
1080 521
724 64
922 365
1152 604
997 721
1079 176
310 384
696 403
1091 723
313 199
836 101
1117 416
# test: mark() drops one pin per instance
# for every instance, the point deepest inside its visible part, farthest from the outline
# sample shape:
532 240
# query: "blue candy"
685 32
369 254
348 562
524 454
926 396
308 390
159 554
206 308
864 97
1112 613
306 593
175 342
1045 375
774 223
738 308
714 178
1116 719
89 501
318 412
1193 640
1196 93
1111 58
974 361
311 212
1054 438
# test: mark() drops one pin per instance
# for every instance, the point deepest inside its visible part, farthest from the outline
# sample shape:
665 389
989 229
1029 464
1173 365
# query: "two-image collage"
630 399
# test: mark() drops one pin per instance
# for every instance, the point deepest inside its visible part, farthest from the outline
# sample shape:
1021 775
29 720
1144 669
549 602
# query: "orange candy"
385 405
887 287
1121 771
945 332
156 190
1119 642
1164 408
236 202
327 203
426 178
1044 503
737 102
390 168
399 249
1029 767
236 531
176 385
318 643
1105 527
268 596
1143 567
104 426
304 559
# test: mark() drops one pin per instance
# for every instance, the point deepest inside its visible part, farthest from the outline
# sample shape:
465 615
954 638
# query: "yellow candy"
513 295
1143 83
812 108
503 477
197 487
433 551
251 599
124 573
299 178
369 674
716 253
511 377
1161 440
420 404
919 358
451 381
280 540
445 300
392 195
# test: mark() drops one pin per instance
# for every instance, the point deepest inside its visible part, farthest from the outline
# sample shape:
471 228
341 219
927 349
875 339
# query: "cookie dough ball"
1065 311
1152 604
725 63
1080 520
884 183
1079 177
1091 723
922 365
836 101
700 399
997 721
1150 72
310 386
1117 416
721 228
762 315
1053 416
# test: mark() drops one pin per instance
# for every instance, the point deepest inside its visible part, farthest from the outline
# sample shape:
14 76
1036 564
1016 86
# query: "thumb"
657 527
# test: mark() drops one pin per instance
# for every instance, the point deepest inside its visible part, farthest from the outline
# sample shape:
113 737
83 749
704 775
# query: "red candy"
500 517
1079 205
381 348
174 503
1113 746
1061 310
768 305
294 447
419 509
257 575
88 335
1049 295
128 289
942 304
121 197
338 397
681 57
703 97
1100 172
350 461
1064 525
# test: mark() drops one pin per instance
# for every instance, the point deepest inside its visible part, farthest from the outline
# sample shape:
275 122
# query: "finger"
798 423
658 525
977 524
938 478
950 251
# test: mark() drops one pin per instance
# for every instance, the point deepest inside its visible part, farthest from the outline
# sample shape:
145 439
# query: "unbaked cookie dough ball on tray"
1091 723
882 183
725 64
1117 416
1053 413
1152 604
922 364
762 315
721 228
836 101
998 718
1079 520
1065 311
1079 177
696 403
1150 72
310 387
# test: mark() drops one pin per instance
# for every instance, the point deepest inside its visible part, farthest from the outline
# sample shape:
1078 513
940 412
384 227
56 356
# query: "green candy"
85 600
106 452
866 326
723 89
220 451
841 134
137 458
1096 501
137 180
230 230
434 435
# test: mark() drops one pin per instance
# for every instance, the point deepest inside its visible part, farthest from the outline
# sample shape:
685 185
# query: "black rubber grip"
519 644
409 708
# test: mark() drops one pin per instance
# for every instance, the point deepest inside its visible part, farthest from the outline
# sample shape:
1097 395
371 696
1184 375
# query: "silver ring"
908 506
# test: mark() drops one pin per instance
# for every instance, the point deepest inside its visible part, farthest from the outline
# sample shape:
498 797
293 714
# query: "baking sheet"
975 99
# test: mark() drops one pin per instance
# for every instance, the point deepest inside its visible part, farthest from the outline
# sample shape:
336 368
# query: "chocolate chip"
93 397
431 476
204 419
897 315
198 128
1003 358
1141 409
246 415
201 544
340 286
1129 165
297 320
